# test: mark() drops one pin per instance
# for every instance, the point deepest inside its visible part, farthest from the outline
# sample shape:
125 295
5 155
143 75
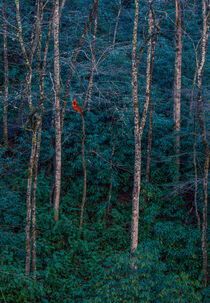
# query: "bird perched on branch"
76 106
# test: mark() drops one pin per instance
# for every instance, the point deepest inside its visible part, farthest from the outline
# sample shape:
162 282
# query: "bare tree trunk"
84 178
28 203
117 22
195 140
150 64
93 60
34 41
28 59
57 112
5 75
38 143
31 207
27 64
41 77
196 174
138 132
61 7
205 141
33 228
149 143
36 161
137 161
111 172
89 91
154 36
20 34
177 83
33 128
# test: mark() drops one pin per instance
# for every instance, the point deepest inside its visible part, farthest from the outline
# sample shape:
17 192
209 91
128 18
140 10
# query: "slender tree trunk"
41 77
38 129
61 7
117 22
137 161
38 143
28 203
138 132
111 172
150 63
57 112
177 83
84 178
5 75
33 128
196 174
149 143
33 228
193 102
20 34
204 139
27 63
28 59
33 42
93 60
93 12
36 161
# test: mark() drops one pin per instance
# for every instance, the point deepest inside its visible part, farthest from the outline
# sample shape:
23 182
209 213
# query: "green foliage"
150 282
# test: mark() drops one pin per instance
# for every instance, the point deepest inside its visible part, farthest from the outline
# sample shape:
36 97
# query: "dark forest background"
95 266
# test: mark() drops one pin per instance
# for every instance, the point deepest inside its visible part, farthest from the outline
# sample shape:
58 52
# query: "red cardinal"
76 106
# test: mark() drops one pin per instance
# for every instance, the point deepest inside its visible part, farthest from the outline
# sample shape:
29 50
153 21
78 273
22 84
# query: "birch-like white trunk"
177 82
138 130
137 161
204 139
150 63
57 112
29 208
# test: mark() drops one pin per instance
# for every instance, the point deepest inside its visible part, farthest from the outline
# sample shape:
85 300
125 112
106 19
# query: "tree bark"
57 112
61 7
138 132
150 64
149 143
177 83
84 177
93 61
38 144
111 172
117 22
204 139
28 203
5 75
196 174
137 161
36 161
33 127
